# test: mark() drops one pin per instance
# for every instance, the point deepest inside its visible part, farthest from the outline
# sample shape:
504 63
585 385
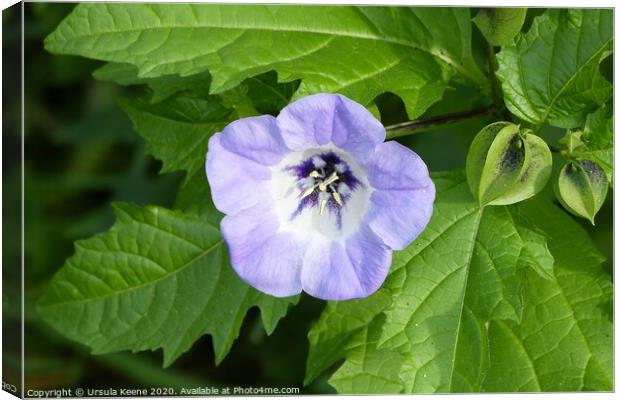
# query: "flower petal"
330 118
236 182
334 270
263 257
402 202
256 138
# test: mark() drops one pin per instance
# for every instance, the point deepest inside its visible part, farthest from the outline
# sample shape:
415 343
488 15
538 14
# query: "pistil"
337 197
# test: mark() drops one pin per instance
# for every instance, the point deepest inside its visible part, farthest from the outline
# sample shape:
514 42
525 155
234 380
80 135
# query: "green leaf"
194 197
599 129
177 130
400 50
551 74
156 279
535 253
122 74
572 140
162 87
367 370
463 273
176 122
500 25
464 270
261 94
339 322
598 143
268 96
564 342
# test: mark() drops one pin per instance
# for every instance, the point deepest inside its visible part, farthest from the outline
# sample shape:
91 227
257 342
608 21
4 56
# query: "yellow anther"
322 206
332 178
315 174
337 198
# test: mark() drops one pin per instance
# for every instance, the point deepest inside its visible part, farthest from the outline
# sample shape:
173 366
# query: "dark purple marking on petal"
345 175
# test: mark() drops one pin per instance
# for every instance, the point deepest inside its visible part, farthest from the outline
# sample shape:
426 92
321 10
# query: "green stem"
495 90
419 125
555 149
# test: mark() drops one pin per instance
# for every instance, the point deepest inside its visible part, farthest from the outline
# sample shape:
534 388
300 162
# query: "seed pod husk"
581 188
506 165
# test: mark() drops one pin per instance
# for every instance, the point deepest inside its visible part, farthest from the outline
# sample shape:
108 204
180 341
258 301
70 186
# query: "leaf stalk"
420 125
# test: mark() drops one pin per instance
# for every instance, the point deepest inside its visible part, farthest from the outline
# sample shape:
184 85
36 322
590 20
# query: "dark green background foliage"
495 298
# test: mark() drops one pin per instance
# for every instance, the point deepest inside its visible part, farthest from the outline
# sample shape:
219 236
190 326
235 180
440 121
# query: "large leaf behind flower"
357 51
160 278
551 73
465 312
156 279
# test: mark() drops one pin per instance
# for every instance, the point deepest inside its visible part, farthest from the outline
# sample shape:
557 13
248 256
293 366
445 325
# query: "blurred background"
81 153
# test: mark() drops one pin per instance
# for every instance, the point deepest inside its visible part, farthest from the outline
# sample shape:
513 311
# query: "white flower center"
321 190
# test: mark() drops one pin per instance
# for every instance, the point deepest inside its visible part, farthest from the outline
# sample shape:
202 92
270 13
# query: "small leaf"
598 131
582 188
551 73
237 99
268 95
572 141
177 130
500 25
156 279
535 253
505 166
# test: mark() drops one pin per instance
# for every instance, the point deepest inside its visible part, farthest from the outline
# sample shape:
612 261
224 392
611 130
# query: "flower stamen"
337 198
308 191
323 198
322 206
332 178
324 181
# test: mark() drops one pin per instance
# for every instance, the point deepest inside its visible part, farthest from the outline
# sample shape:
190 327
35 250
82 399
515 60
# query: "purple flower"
315 200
